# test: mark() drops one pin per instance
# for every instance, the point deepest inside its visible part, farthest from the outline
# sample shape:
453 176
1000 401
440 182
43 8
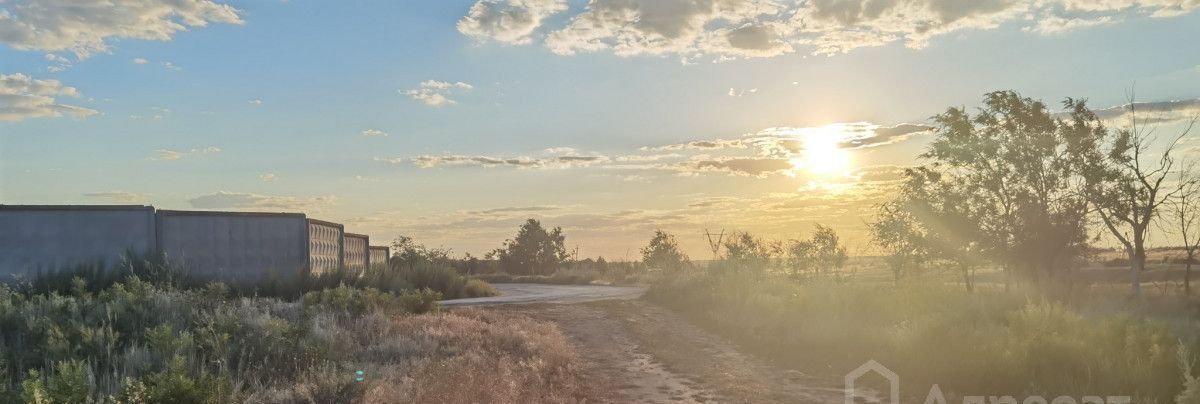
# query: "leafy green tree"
1010 170
744 252
898 233
533 251
663 253
407 252
820 254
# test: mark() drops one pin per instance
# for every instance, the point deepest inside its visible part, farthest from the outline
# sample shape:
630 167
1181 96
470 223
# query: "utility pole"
715 245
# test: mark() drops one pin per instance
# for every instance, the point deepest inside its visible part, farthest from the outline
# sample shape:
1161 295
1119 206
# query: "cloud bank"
87 27
23 97
242 200
732 29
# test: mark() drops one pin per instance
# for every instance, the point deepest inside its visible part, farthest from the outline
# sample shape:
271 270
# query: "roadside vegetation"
147 333
985 245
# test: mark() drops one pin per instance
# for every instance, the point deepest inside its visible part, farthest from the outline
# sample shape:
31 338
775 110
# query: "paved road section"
521 293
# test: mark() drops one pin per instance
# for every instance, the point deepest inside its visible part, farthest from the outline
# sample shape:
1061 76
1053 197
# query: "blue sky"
265 106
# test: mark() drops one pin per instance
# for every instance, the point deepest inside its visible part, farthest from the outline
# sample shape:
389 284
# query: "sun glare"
822 155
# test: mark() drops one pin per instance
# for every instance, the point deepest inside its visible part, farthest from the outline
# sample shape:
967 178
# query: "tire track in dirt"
614 359
638 352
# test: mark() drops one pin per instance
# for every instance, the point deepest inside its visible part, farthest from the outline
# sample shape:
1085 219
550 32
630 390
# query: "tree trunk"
1007 277
1187 274
1137 262
966 273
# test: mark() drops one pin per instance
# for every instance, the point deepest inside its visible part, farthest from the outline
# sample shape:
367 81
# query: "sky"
454 121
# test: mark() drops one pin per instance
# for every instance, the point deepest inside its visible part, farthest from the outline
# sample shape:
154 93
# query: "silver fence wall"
355 254
37 238
325 243
235 246
379 255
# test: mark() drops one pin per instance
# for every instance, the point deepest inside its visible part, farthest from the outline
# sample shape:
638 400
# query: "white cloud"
255 102
783 141
242 200
120 196
268 177
430 161
86 28
59 63
513 211
23 97
741 93
561 150
171 66
1056 25
140 61
1157 112
635 27
508 21
731 29
435 93
374 133
173 155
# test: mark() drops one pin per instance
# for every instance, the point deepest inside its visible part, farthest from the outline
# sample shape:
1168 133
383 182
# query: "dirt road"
642 353
523 293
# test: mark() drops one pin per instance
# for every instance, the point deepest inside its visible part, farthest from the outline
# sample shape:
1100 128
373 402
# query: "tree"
821 253
1012 162
1185 212
1126 182
947 213
898 233
407 252
533 251
744 252
663 253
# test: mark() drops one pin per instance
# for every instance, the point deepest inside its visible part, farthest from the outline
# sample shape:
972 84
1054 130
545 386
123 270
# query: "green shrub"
359 301
478 288
403 276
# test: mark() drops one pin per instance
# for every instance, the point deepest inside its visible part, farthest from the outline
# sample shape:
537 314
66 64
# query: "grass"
402 277
145 332
983 343
158 270
136 342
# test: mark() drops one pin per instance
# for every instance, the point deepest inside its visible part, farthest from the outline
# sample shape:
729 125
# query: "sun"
822 155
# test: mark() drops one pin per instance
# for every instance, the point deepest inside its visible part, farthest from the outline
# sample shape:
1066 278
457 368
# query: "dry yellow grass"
461 356
476 356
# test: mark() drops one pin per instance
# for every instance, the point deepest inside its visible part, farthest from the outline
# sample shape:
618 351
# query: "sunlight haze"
449 123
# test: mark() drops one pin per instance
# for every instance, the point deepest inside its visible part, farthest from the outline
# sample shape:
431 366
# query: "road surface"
521 293
637 352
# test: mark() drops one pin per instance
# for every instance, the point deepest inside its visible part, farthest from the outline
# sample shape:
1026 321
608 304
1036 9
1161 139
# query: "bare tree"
1127 182
1185 212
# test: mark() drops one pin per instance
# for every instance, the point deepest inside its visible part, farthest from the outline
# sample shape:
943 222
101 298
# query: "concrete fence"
42 238
356 254
227 246
379 256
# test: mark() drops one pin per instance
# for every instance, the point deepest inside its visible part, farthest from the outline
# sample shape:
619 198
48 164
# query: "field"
705 333
148 335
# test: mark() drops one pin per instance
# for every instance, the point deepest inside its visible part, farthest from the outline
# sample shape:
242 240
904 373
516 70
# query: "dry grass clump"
477 356
467 356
